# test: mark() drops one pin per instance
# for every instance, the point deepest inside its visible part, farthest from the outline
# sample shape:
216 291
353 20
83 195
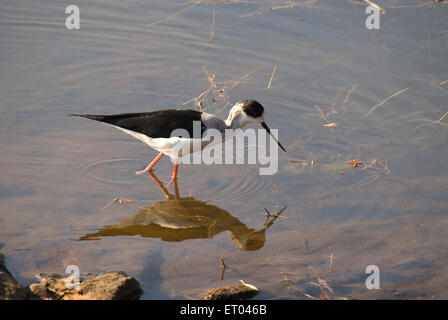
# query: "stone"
41 292
10 289
113 285
108 286
239 292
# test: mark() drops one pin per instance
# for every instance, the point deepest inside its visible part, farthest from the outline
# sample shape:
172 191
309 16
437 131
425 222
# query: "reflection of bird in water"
178 219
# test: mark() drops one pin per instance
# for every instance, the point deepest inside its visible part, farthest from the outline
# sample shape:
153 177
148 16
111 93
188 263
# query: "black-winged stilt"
155 128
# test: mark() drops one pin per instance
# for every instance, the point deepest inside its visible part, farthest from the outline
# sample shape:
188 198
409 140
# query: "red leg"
176 167
174 177
152 164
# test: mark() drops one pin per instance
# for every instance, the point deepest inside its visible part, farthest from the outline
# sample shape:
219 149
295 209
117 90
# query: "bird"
155 128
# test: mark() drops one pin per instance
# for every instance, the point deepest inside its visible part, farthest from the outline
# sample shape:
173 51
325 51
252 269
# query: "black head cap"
252 108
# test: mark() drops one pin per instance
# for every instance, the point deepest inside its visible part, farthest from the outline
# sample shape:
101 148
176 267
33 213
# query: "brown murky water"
335 90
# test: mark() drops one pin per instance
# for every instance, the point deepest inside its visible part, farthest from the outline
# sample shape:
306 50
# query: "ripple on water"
234 189
108 170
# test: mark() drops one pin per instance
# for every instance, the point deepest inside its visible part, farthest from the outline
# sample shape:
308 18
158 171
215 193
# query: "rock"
111 286
10 289
239 292
41 292
108 286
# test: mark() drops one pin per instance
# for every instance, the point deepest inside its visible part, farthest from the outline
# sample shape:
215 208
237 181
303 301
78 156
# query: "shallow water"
60 174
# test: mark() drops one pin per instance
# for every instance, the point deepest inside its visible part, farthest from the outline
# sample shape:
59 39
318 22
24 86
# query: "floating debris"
249 285
120 201
355 163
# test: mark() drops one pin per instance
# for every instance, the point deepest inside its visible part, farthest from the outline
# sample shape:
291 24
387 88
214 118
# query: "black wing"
157 124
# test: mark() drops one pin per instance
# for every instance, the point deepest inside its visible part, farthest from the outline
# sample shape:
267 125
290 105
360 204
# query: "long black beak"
265 126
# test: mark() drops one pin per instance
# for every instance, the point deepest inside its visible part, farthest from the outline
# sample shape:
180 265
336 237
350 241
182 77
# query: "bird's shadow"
176 219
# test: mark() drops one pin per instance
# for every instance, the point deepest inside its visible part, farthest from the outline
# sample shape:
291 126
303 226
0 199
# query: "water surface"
310 65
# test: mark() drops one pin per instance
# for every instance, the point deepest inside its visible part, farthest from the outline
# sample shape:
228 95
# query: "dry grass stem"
212 27
322 114
285 6
383 102
331 259
174 15
425 4
382 11
333 103
438 122
220 93
272 76
347 96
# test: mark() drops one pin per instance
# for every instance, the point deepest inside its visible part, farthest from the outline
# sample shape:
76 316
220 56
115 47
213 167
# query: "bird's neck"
235 122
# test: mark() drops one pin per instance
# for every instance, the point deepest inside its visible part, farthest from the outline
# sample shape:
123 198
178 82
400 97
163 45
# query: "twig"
287 6
325 284
322 114
309 296
212 27
382 11
116 200
174 15
224 267
298 142
244 77
347 96
425 4
364 181
439 85
439 122
331 259
337 95
198 97
275 216
383 102
268 215
272 76
220 94
223 264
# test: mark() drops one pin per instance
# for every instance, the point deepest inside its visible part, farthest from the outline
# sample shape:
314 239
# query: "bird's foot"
140 172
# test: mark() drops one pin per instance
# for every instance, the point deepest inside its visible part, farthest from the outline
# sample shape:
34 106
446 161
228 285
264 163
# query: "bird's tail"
89 116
